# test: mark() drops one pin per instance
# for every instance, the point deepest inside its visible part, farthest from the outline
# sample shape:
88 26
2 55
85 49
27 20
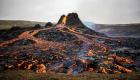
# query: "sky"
97 11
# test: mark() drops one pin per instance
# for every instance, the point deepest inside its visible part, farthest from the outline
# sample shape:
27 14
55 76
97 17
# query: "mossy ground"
30 75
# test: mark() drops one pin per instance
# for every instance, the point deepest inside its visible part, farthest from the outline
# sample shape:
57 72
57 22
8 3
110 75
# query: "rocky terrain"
68 47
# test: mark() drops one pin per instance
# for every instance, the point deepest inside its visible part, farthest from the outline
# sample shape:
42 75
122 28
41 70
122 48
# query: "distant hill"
116 30
6 24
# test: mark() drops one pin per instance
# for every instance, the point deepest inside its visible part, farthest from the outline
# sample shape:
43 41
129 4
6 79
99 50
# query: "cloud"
111 11
98 11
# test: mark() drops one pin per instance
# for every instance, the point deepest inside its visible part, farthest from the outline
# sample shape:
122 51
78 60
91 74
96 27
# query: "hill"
7 24
117 30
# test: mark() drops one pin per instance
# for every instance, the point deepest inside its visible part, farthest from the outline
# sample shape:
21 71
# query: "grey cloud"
98 11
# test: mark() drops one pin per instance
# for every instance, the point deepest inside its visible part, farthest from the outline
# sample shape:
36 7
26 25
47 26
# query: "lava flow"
62 49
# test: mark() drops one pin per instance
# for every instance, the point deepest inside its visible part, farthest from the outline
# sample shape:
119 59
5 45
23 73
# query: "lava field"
66 49
56 50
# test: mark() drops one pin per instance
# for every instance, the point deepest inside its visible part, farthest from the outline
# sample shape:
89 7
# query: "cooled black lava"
55 36
22 42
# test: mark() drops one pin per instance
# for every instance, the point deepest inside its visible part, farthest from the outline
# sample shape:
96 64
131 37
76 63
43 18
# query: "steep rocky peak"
61 20
70 19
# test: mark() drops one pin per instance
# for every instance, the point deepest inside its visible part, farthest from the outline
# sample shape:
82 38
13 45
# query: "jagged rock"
37 26
48 24
73 19
93 64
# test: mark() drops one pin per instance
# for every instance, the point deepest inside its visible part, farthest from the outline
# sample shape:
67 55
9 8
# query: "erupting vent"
64 20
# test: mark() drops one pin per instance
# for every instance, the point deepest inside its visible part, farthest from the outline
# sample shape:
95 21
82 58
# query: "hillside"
6 24
117 30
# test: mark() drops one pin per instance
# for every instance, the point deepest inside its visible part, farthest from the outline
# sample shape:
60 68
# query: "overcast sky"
98 11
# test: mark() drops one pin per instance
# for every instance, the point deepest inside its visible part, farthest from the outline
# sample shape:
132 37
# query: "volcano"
73 21
68 47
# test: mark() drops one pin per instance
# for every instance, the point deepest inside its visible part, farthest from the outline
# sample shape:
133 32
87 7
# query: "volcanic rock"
37 26
15 28
73 19
22 42
10 34
55 36
49 24
2 67
41 68
69 48
90 53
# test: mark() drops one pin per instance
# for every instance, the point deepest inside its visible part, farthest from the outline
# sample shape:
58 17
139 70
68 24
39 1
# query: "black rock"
2 67
73 19
48 24
22 42
15 28
10 34
37 26
57 36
